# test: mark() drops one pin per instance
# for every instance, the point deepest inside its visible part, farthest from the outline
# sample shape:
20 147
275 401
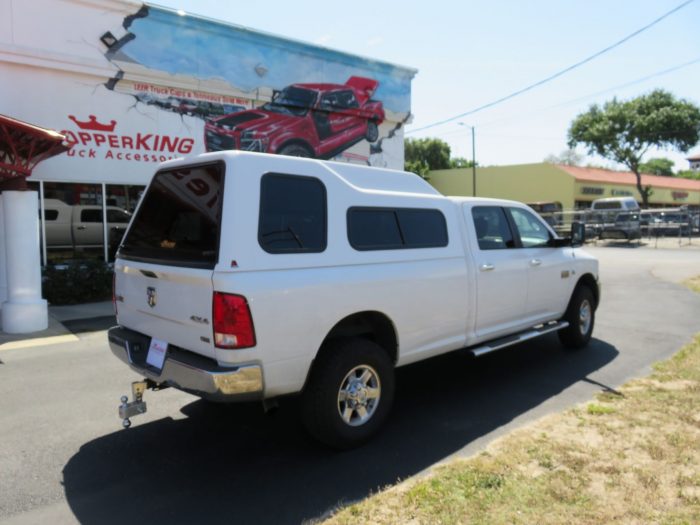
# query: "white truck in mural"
248 276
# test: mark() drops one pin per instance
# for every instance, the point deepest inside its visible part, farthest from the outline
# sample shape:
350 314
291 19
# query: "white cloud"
375 41
323 39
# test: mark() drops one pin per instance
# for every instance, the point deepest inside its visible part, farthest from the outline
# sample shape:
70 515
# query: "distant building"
571 186
694 162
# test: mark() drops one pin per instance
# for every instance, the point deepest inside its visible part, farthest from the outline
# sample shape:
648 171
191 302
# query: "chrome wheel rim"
585 317
359 395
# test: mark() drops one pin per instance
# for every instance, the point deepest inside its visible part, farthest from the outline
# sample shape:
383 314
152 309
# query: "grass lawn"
631 456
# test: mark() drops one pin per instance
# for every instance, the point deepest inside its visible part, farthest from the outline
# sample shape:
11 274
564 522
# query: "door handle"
486 267
535 262
80 227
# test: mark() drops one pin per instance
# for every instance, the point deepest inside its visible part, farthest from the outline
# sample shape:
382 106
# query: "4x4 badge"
152 296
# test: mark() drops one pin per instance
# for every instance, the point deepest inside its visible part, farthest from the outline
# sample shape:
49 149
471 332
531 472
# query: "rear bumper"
187 371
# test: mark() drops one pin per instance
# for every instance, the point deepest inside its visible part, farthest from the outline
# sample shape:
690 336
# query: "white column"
3 264
24 310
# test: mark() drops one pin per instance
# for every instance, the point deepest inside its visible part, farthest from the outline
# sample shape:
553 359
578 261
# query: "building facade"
572 186
132 84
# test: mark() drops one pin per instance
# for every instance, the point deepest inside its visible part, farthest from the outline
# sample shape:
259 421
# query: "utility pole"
473 162
473 157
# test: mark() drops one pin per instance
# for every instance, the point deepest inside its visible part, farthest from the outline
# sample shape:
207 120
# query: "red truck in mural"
303 120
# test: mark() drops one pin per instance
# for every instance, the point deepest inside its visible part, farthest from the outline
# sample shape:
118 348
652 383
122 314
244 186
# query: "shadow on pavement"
234 464
92 324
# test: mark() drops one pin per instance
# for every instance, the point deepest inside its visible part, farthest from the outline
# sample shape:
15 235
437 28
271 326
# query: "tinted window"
50 215
118 216
178 220
91 216
373 229
391 228
531 230
292 214
492 230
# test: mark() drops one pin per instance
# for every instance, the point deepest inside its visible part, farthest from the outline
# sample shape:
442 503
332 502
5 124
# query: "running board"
536 331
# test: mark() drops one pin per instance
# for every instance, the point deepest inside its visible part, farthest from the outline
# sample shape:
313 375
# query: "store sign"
621 193
92 139
679 195
592 190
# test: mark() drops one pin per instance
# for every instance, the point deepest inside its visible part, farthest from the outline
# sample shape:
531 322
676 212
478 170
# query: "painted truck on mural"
303 120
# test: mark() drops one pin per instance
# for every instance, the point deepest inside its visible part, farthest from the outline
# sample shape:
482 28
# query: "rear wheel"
580 315
349 394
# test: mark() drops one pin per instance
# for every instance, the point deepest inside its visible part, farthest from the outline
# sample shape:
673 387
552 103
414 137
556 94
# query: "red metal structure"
23 146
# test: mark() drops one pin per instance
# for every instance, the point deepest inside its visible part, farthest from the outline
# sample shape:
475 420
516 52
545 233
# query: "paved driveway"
65 459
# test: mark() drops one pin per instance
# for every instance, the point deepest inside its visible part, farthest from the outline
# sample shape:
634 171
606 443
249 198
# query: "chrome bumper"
188 371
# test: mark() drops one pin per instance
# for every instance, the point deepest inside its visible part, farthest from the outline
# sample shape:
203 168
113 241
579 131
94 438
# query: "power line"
597 93
558 73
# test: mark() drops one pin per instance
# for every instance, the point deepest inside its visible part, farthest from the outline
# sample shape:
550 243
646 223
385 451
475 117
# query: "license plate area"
157 352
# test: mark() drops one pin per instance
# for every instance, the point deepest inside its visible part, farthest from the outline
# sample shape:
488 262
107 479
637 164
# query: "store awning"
22 147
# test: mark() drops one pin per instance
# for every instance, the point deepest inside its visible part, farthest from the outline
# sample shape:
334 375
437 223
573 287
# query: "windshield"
292 101
178 221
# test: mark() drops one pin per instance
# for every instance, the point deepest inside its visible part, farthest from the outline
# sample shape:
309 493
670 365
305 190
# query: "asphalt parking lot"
65 459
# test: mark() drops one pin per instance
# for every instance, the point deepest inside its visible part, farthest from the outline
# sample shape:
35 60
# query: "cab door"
501 273
550 269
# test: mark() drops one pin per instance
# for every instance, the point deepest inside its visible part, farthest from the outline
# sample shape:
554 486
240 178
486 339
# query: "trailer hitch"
129 409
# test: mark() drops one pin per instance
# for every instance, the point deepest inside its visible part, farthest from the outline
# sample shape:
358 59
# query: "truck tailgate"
168 303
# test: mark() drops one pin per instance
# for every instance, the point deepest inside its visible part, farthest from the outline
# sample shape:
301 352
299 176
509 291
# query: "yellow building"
572 186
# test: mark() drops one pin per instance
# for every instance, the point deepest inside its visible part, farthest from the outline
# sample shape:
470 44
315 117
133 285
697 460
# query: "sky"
472 52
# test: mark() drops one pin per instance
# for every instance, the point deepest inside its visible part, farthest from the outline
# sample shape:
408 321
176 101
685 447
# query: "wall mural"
258 92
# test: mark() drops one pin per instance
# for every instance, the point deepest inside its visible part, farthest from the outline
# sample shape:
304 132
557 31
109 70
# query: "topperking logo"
97 140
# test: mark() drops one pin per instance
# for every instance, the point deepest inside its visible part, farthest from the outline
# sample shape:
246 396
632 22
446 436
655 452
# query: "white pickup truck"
250 276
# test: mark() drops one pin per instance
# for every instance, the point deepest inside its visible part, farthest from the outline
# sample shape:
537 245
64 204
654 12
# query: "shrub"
77 282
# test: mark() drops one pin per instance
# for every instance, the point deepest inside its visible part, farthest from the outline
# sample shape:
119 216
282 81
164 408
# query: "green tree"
689 174
435 153
570 157
625 131
658 166
461 162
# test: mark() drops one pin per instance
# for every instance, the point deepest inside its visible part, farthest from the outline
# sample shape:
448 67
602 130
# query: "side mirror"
578 233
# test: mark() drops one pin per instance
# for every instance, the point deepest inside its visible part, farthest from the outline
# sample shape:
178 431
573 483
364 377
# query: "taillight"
233 324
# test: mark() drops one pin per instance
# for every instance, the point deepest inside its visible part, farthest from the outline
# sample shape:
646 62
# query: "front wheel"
349 394
372 133
580 315
295 150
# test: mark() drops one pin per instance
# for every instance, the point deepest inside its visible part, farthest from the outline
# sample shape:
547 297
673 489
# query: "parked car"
245 276
303 120
625 226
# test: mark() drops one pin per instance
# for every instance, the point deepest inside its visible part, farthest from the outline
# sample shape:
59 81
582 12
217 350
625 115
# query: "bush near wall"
77 282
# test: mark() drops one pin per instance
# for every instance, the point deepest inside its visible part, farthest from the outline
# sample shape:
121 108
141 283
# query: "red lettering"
84 138
109 154
113 141
167 143
99 139
141 141
185 146
127 142
137 157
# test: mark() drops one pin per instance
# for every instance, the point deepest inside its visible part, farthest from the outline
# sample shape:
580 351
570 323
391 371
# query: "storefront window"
73 222
121 202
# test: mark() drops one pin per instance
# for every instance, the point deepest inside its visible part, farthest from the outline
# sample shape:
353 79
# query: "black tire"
340 365
581 317
372 133
295 150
